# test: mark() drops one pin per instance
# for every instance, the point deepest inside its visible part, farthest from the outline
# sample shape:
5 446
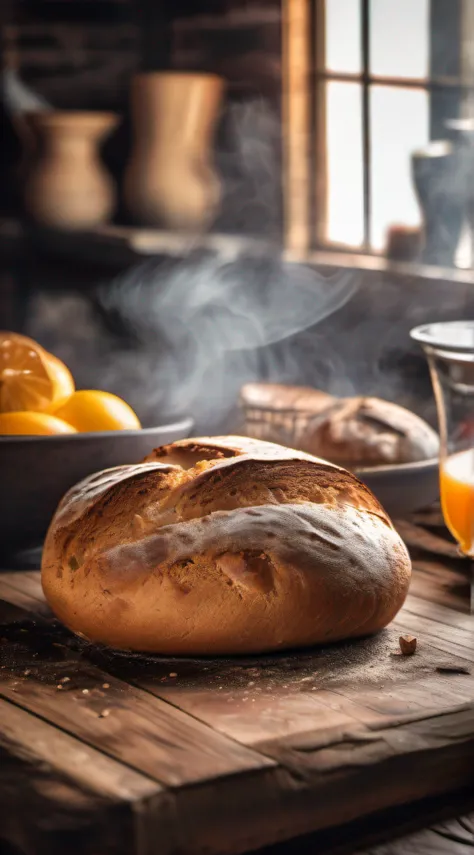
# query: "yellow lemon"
32 424
90 410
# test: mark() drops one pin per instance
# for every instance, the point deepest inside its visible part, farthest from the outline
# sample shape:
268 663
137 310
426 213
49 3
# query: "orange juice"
457 497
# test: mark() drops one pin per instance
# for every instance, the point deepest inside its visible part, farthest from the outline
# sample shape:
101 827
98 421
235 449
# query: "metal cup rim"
431 336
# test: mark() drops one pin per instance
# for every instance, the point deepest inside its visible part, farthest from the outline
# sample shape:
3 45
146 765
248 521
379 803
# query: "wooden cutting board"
104 753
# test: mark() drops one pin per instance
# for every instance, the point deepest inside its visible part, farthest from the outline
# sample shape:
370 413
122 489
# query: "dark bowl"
36 471
403 488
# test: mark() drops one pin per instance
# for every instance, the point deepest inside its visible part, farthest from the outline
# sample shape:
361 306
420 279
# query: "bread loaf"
223 546
364 432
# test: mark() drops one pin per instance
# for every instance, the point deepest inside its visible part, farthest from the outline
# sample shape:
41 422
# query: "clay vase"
440 184
169 181
68 186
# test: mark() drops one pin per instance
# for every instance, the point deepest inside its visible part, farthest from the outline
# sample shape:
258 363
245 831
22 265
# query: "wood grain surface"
455 837
103 752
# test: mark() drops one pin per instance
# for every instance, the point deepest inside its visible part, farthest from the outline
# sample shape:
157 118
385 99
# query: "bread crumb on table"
407 644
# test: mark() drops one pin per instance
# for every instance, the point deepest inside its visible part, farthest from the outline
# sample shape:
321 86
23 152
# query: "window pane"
345 184
343 36
399 124
399 38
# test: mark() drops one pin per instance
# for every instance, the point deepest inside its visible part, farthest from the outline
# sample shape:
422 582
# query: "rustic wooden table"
337 749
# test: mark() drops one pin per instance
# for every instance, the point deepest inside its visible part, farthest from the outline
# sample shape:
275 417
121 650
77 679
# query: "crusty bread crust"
359 432
222 546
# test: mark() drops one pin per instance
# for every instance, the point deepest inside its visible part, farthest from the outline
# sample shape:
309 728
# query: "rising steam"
202 326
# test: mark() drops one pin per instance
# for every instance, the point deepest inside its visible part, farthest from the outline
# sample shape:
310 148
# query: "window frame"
304 119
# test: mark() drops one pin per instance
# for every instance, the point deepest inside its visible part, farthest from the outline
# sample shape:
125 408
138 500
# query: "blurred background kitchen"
199 193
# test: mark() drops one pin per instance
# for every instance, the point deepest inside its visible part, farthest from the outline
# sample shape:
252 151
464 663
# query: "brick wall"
74 66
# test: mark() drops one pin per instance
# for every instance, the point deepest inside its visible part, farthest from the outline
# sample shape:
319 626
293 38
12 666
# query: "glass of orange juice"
449 348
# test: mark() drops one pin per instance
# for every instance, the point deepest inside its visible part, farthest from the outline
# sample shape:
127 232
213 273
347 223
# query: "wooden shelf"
117 246
379 264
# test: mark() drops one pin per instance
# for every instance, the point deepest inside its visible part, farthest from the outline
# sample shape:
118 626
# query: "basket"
284 426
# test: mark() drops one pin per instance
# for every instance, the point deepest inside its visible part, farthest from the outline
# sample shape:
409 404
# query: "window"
382 79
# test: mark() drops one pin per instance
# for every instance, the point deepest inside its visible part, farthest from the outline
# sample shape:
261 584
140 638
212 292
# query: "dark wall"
82 56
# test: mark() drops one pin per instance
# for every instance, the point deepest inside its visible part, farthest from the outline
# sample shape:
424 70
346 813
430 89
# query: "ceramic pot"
169 181
440 184
463 128
68 186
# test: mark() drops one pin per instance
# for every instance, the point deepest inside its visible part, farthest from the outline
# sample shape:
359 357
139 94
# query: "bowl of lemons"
53 435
